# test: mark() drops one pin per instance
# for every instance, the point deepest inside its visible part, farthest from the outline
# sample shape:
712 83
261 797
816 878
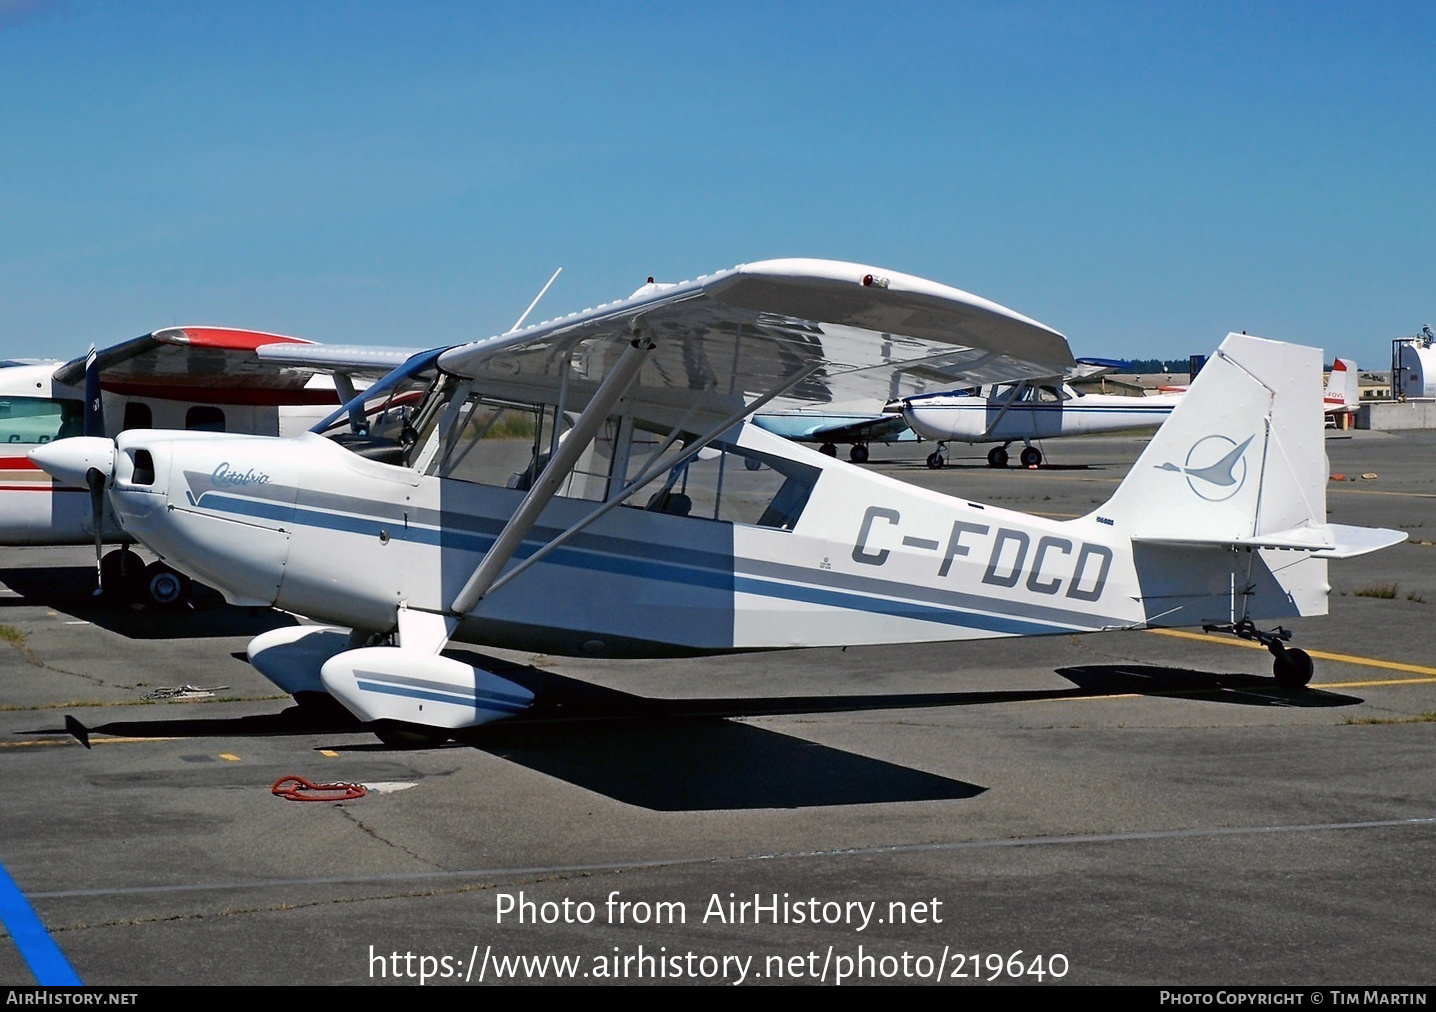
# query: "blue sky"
1143 177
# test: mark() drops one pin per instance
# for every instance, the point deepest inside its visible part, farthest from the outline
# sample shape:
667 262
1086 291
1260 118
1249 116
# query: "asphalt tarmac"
1119 808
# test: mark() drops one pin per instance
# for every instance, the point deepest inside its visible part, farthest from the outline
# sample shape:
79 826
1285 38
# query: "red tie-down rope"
305 790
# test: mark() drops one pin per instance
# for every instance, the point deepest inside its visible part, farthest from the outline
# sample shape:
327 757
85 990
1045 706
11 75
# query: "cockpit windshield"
379 422
443 425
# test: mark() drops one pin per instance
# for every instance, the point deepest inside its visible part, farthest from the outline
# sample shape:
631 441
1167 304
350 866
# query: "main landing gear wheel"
408 737
165 587
936 460
831 449
1292 668
1031 456
858 454
121 573
997 456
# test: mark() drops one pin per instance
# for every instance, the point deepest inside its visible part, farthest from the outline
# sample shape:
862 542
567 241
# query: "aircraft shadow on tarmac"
692 755
1239 689
70 590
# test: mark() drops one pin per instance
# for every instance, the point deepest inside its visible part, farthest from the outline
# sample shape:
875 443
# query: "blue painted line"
37 948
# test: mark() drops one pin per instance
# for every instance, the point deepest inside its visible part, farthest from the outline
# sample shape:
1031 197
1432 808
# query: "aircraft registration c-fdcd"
590 485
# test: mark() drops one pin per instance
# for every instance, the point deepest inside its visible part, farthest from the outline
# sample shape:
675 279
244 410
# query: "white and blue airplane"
660 523
1026 411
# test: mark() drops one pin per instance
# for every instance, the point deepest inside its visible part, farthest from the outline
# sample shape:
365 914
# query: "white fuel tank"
1418 371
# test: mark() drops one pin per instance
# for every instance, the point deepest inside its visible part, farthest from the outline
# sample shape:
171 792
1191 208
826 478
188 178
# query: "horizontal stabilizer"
1330 541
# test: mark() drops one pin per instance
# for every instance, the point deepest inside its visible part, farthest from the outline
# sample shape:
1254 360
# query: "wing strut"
1016 393
546 486
653 469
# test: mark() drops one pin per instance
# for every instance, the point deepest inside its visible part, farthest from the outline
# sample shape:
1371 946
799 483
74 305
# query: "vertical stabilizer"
1242 455
1343 392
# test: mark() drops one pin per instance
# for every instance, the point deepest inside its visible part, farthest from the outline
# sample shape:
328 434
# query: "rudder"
1242 455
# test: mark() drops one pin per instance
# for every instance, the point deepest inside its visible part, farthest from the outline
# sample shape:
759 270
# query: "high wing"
214 378
815 332
226 365
1091 368
876 429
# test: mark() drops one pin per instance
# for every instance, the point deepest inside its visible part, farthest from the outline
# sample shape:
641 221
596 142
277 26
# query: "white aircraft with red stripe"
199 379
1343 388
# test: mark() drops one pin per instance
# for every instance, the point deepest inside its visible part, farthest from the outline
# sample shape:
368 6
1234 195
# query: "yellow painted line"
229 756
1371 681
1368 662
329 752
75 741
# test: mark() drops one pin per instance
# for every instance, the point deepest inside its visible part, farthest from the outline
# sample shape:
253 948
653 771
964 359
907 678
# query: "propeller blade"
94 406
95 479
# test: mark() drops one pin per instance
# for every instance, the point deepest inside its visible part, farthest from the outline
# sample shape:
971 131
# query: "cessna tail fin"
1242 455
1343 391
1241 462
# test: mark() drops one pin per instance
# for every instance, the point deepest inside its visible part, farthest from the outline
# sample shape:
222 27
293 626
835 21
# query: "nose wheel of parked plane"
1292 667
938 458
120 572
125 577
165 587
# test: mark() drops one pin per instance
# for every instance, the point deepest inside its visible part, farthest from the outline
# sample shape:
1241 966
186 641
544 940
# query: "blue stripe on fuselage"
898 609
697 576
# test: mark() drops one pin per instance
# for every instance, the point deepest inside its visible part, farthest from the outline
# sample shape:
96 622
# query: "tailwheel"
1031 456
859 453
1293 668
997 456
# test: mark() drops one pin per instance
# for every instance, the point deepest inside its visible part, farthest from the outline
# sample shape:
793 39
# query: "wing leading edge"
820 331
215 365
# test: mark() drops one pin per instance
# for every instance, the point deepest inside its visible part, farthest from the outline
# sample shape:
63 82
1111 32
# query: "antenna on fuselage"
520 321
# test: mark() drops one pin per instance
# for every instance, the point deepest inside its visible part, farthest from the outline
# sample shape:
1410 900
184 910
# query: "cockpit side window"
33 420
726 482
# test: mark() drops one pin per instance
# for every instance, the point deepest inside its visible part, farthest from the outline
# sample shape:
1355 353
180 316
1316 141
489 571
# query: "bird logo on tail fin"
1221 479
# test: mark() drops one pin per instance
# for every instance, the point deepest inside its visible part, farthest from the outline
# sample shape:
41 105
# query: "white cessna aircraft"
1343 388
1026 410
660 524
194 378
